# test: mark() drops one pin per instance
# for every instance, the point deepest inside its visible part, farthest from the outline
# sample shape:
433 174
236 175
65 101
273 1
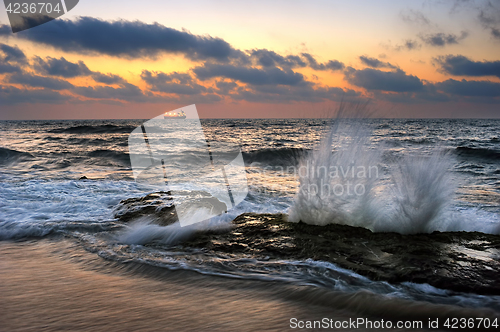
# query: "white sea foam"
414 195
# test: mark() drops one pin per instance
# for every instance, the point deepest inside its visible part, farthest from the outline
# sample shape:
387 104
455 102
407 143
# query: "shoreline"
54 284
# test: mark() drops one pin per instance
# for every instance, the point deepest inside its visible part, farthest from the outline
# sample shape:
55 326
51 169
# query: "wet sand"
55 286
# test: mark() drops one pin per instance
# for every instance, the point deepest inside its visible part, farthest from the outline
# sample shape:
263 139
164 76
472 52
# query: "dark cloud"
459 65
39 81
125 38
495 32
11 95
178 83
375 63
373 79
408 44
255 76
6 68
470 88
268 58
225 87
61 67
126 92
5 30
107 78
441 39
412 44
11 59
489 17
331 64
287 94
13 54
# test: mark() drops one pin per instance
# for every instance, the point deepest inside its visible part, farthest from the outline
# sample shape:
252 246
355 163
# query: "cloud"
375 63
125 38
268 58
373 79
470 88
287 94
6 68
331 64
5 30
254 76
414 17
64 68
13 54
11 59
60 67
411 44
177 83
225 87
441 39
489 17
39 81
10 95
107 78
459 65
408 44
126 92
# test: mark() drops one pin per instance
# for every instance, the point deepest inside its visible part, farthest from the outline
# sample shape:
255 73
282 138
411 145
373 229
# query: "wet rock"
159 206
458 261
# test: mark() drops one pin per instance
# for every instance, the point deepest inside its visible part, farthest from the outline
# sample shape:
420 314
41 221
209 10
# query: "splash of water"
338 187
414 195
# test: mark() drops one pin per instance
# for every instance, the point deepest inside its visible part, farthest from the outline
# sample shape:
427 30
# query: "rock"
160 206
83 178
458 261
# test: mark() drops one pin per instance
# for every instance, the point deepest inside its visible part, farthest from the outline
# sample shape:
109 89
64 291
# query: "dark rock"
160 206
83 178
458 261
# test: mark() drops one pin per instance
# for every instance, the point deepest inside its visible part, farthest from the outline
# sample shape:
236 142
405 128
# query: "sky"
255 59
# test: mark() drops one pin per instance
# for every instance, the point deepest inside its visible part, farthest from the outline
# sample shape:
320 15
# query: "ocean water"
427 175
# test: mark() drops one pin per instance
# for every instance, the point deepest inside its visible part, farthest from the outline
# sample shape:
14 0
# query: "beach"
86 247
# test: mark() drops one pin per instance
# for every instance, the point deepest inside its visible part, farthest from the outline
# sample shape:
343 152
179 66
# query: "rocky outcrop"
458 261
159 206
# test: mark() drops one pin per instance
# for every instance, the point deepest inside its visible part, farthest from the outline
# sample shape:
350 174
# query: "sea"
62 181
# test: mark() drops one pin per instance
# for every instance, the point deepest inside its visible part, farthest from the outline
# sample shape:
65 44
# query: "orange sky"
400 81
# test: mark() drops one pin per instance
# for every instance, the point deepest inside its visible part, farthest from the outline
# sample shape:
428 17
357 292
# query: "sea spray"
338 187
420 193
412 195
146 230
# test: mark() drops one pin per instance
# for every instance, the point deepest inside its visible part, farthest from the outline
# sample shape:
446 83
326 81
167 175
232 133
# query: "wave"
121 157
101 129
8 156
482 153
22 230
415 196
275 157
322 276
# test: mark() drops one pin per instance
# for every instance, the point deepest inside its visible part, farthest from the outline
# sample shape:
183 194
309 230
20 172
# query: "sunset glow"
259 59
